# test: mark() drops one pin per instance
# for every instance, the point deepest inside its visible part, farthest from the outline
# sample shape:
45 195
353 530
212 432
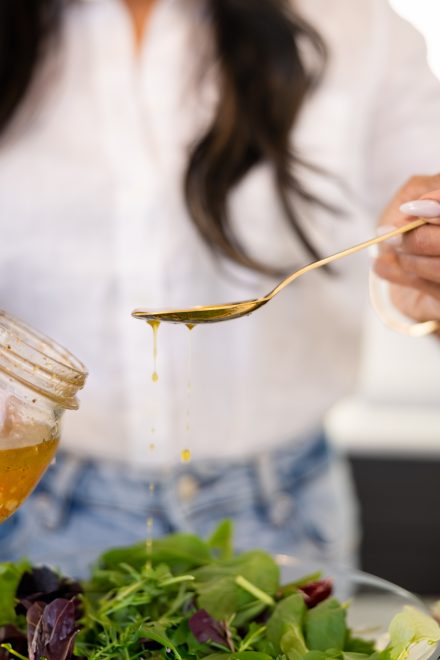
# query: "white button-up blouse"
93 224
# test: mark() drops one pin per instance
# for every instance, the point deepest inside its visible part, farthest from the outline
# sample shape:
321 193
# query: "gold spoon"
229 311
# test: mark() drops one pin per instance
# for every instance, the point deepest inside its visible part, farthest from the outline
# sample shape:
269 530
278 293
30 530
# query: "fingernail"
427 208
394 240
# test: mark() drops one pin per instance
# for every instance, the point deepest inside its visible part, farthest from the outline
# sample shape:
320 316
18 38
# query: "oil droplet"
149 540
155 327
149 547
152 488
151 446
185 455
190 326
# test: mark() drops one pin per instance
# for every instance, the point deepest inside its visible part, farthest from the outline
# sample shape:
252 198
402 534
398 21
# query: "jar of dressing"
38 381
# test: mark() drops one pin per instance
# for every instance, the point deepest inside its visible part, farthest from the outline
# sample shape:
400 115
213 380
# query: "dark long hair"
26 29
263 85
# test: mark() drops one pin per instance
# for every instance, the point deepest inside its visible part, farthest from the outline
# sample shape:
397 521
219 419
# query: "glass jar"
38 381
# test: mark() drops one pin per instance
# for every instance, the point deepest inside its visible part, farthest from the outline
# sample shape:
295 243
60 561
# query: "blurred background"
391 428
425 15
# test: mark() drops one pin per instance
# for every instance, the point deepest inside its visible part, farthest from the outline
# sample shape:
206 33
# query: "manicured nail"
427 208
394 240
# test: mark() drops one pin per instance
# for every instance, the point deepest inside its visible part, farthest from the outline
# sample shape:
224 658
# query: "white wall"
397 406
425 15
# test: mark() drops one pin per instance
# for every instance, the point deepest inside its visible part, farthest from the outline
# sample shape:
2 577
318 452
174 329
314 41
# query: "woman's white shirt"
93 224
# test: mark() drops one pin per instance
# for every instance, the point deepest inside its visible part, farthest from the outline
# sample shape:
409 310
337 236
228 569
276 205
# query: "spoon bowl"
197 315
228 311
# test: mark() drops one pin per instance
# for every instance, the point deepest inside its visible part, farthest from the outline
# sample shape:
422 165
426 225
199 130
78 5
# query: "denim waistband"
112 485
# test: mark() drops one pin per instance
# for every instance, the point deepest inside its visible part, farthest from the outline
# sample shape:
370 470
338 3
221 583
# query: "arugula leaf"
325 626
159 635
10 576
253 636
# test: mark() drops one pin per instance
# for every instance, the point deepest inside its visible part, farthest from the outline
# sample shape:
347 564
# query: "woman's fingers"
418 187
411 263
415 304
427 268
388 266
424 241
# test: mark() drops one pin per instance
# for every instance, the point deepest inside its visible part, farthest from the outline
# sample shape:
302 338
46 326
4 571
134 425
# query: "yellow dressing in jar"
20 471
38 381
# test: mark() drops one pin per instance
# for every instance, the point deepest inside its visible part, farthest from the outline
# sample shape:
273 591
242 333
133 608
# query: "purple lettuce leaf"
51 629
44 585
206 629
315 592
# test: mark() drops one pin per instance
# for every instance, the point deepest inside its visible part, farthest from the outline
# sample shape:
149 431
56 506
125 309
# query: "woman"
182 152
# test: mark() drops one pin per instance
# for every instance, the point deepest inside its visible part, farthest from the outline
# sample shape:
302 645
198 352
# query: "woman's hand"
411 263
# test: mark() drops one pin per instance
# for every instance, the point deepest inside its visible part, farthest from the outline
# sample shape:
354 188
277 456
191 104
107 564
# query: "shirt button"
187 487
282 509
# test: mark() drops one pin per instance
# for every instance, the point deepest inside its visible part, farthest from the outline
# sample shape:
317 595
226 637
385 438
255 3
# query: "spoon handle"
346 253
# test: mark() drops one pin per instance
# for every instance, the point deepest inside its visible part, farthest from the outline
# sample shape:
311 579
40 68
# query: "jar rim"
39 362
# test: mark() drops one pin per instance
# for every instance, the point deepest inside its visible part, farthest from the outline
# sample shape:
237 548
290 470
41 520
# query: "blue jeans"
295 500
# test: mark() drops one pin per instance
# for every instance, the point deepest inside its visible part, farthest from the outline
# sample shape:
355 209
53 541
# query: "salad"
184 599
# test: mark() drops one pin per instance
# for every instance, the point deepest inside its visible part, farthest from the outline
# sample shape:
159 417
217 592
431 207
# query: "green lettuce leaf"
325 626
220 594
181 552
221 540
10 576
287 617
409 628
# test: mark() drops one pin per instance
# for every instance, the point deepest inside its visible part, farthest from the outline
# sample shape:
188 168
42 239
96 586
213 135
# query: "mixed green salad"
185 599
